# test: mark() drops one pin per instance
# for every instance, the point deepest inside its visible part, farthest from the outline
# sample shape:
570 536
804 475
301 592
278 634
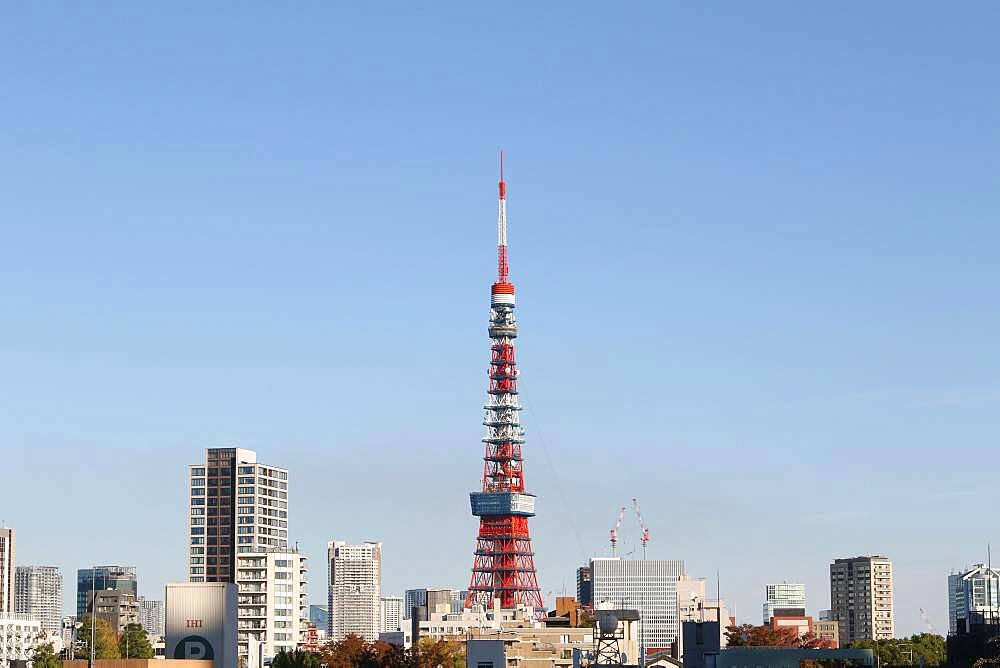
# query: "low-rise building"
20 633
117 608
827 629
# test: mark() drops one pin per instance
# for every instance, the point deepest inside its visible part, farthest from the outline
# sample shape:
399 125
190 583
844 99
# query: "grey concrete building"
7 569
861 598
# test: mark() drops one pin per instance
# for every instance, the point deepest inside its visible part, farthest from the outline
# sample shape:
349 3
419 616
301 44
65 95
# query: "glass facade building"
119 578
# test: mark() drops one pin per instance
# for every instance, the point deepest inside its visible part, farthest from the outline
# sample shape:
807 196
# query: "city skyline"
781 219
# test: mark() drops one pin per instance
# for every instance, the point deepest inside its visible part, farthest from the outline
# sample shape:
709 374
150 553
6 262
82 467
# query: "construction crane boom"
614 530
642 526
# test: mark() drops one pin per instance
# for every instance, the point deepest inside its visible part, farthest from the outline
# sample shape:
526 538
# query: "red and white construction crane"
642 526
614 530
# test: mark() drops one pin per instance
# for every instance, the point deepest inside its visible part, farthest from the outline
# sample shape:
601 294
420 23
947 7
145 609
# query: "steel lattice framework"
504 564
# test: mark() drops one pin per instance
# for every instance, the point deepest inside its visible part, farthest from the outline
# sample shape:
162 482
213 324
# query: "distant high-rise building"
438 600
7 570
355 581
584 587
38 592
98 578
458 597
783 595
390 614
151 616
272 601
861 598
973 599
319 616
413 598
236 506
646 585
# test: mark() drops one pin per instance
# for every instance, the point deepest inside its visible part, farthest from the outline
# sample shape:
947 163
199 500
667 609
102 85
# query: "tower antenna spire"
502 269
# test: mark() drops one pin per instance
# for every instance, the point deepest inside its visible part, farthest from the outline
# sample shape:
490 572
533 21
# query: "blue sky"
755 250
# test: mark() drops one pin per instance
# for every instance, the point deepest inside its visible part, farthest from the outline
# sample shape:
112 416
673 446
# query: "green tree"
44 656
134 643
907 651
296 659
106 646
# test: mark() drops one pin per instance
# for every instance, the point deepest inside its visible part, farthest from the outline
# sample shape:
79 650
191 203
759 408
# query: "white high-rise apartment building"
151 616
236 506
646 585
6 570
861 598
390 614
272 602
38 592
355 573
783 595
973 598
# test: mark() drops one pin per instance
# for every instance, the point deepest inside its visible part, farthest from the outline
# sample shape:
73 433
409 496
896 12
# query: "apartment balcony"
252 612
252 588
252 626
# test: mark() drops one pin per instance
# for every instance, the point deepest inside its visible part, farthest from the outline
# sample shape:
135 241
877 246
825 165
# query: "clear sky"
755 250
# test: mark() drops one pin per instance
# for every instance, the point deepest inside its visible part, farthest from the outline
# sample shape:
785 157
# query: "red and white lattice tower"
504 564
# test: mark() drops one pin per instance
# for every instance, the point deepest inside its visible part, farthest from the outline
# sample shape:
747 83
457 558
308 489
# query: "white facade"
783 595
19 635
7 561
390 614
272 602
38 591
231 484
201 622
646 585
151 616
973 598
355 587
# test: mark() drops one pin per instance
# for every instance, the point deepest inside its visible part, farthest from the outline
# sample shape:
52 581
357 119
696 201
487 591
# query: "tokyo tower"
504 564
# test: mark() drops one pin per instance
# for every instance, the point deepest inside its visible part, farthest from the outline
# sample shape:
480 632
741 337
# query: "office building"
355 587
19 635
861 598
646 585
390 614
973 599
787 595
151 616
458 597
117 608
413 598
272 602
319 616
7 570
439 600
584 587
38 592
236 506
97 578
201 624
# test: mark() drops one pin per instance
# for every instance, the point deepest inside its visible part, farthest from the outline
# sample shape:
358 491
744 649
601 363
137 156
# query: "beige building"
827 630
861 598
